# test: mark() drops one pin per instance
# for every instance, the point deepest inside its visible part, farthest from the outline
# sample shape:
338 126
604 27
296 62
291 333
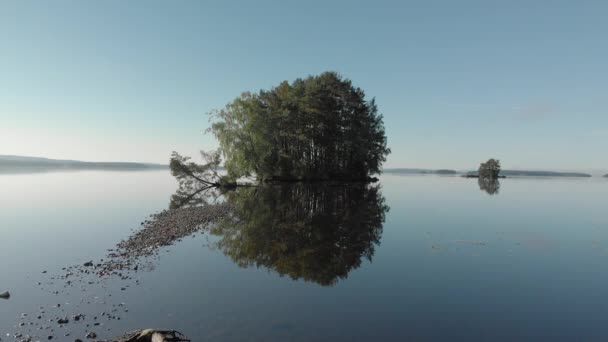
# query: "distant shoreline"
21 164
18 164
471 175
506 173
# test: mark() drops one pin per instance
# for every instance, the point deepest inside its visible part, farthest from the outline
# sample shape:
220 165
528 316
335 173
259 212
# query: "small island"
488 170
321 128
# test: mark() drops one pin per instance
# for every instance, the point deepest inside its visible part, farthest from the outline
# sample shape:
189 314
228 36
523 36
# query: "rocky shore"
162 229
117 271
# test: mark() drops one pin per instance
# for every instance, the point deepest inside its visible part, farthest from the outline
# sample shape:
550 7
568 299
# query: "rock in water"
156 337
5 295
152 335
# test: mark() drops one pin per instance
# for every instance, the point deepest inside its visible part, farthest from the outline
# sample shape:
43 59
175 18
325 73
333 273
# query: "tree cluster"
489 169
320 127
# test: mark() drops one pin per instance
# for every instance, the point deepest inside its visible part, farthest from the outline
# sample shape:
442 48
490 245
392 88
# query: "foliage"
318 127
489 169
183 169
315 233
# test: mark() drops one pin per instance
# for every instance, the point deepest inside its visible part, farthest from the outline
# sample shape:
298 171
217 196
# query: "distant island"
508 173
21 164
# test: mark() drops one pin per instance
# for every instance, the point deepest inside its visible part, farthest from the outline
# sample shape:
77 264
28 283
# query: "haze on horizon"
457 82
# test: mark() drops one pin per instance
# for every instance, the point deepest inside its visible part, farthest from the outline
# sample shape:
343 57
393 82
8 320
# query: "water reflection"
192 194
489 185
317 233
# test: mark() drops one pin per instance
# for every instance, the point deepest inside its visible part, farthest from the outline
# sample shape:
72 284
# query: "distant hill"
21 164
446 172
421 171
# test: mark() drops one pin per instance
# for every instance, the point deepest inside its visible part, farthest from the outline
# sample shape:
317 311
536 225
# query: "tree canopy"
320 127
490 169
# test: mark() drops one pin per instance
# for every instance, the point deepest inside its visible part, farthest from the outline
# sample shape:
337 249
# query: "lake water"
448 261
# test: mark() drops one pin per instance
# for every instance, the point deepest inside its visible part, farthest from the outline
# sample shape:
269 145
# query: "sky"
458 82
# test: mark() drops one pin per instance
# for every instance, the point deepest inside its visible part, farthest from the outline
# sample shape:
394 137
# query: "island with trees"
488 175
490 170
287 140
321 128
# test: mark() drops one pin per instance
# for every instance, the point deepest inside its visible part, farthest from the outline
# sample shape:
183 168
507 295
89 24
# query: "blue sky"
457 81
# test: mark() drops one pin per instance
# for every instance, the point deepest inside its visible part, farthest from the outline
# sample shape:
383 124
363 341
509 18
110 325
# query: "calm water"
446 262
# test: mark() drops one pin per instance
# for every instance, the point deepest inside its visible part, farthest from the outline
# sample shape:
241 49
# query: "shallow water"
452 262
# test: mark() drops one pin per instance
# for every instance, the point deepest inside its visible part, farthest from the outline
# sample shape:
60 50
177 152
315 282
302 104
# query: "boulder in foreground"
152 335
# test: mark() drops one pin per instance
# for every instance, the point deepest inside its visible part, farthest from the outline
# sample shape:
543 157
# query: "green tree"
489 169
321 127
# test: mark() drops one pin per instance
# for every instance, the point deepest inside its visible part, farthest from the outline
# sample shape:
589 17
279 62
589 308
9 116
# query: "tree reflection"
489 185
193 195
318 233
